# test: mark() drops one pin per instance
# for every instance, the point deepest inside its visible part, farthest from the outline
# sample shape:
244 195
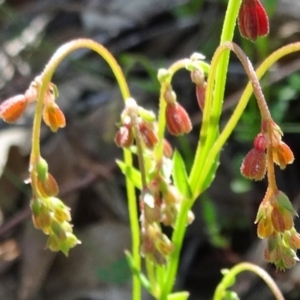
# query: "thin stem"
177 239
45 79
180 64
270 164
261 101
213 99
242 267
231 124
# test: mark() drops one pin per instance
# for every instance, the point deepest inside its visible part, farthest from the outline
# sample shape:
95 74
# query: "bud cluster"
13 108
159 204
49 213
275 223
276 213
254 165
159 201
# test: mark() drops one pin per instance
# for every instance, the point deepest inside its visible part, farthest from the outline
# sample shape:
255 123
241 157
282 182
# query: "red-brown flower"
177 119
124 136
253 20
12 108
254 165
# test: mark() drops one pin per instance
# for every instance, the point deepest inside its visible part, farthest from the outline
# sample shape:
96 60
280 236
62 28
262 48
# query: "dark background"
144 35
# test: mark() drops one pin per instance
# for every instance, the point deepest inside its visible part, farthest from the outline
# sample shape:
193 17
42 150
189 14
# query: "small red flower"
124 137
253 20
254 165
177 119
12 108
148 134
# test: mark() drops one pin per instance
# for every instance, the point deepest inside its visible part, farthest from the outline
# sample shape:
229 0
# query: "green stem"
177 240
180 64
242 267
213 99
231 124
45 79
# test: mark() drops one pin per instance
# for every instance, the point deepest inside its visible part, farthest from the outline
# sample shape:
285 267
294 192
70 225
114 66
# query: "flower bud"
282 219
58 231
177 119
167 148
200 94
198 77
54 117
253 20
48 187
254 165
60 210
124 137
282 155
148 134
292 239
260 142
12 108
264 228
42 169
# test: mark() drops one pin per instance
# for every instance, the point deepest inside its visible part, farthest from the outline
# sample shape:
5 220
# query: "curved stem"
231 124
180 64
242 267
45 79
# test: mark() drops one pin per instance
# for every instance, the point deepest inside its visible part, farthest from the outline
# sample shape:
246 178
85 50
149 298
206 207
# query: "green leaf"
178 296
143 279
284 202
132 173
180 176
231 295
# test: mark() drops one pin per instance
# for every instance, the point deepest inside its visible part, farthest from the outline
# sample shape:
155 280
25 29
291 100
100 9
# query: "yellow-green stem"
45 79
242 267
231 124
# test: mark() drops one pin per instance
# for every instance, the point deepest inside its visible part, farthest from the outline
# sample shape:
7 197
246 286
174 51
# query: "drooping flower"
253 20
254 165
177 119
12 108
53 116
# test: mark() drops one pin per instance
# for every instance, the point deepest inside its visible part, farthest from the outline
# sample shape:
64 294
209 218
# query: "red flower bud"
148 134
260 142
12 108
200 94
254 165
168 150
178 120
124 137
253 20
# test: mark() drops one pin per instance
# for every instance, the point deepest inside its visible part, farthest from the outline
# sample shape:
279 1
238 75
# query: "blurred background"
144 35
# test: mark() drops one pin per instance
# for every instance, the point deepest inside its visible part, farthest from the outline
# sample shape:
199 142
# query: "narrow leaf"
132 173
180 176
179 296
143 279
